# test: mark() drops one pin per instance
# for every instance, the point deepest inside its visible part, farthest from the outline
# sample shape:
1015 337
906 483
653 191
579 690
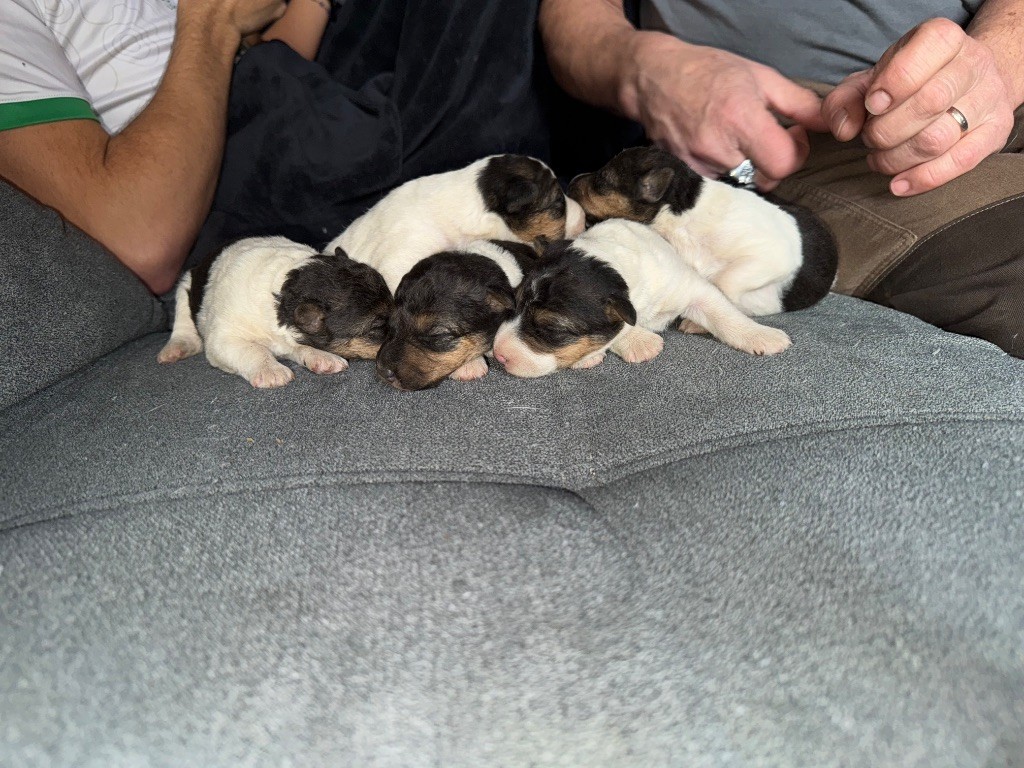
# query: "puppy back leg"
712 310
317 360
252 361
185 340
637 345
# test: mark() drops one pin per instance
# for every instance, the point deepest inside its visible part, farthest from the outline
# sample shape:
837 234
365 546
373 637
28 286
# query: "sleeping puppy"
614 287
447 309
268 297
505 197
765 258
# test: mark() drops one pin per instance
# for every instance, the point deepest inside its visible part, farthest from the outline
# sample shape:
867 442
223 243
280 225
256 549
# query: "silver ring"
957 115
743 174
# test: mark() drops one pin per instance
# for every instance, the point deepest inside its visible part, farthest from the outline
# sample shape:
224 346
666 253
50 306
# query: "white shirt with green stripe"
75 59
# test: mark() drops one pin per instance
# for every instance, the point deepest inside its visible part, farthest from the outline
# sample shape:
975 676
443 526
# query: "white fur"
238 317
424 216
748 247
662 286
499 256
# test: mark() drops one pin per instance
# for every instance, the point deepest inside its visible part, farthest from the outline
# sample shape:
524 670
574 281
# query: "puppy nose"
388 374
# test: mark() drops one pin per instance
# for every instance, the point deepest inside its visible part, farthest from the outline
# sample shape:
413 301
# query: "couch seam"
608 475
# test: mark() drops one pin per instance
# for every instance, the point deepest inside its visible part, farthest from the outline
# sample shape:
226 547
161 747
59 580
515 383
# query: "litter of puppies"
493 260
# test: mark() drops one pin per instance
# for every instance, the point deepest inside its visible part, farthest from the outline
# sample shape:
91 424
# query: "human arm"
145 192
709 107
301 27
899 106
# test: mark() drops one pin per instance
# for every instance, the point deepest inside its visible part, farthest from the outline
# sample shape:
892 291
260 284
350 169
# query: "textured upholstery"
64 301
711 559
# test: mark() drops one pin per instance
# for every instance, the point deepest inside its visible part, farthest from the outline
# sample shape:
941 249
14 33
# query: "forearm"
302 26
588 46
1000 25
155 184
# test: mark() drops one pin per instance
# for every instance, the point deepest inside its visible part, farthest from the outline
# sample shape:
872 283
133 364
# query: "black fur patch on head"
571 297
817 272
526 257
336 304
526 194
637 184
447 309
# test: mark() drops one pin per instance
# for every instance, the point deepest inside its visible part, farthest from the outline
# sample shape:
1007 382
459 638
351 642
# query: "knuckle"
876 136
933 141
944 32
935 97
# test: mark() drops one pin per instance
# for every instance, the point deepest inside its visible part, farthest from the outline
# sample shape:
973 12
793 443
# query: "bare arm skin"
302 26
899 106
145 192
707 106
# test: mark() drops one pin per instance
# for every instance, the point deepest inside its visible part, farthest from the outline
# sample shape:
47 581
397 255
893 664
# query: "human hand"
899 107
242 16
712 108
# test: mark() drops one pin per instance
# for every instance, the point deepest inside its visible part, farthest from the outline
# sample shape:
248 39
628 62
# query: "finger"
775 151
947 88
799 104
843 109
911 62
932 141
961 157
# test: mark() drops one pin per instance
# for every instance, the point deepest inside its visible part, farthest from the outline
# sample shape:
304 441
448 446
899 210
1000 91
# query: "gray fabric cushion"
64 299
712 559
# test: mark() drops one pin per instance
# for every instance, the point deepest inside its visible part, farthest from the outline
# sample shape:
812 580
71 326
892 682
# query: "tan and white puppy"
614 288
447 310
765 257
502 197
267 297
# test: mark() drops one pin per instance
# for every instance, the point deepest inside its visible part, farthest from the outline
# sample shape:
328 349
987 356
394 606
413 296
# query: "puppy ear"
339 253
309 318
540 244
618 308
654 184
500 301
520 195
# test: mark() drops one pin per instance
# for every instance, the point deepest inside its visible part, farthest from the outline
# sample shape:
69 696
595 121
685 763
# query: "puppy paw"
638 345
474 369
272 376
319 361
765 341
178 349
589 361
688 326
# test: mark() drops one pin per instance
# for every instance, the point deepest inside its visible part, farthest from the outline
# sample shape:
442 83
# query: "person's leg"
952 256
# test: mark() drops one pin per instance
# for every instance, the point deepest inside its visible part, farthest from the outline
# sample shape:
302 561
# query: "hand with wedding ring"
932 108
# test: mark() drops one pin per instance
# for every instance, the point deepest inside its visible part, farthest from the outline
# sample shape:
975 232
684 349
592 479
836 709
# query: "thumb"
799 104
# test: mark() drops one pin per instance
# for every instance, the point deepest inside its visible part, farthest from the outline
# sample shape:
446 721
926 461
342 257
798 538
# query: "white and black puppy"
765 257
614 287
503 197
447 310
268 297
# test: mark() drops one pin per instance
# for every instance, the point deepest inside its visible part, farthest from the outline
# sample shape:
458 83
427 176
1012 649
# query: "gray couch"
708 560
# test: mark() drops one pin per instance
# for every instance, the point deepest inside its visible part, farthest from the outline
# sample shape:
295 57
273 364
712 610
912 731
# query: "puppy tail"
185 340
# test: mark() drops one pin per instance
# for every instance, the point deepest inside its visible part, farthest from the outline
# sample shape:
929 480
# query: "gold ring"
957 115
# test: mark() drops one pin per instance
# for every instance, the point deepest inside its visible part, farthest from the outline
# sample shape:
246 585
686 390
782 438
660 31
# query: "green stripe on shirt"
22 113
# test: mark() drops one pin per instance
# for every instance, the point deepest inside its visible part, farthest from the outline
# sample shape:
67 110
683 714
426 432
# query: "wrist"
1008 58
210 26
646 52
